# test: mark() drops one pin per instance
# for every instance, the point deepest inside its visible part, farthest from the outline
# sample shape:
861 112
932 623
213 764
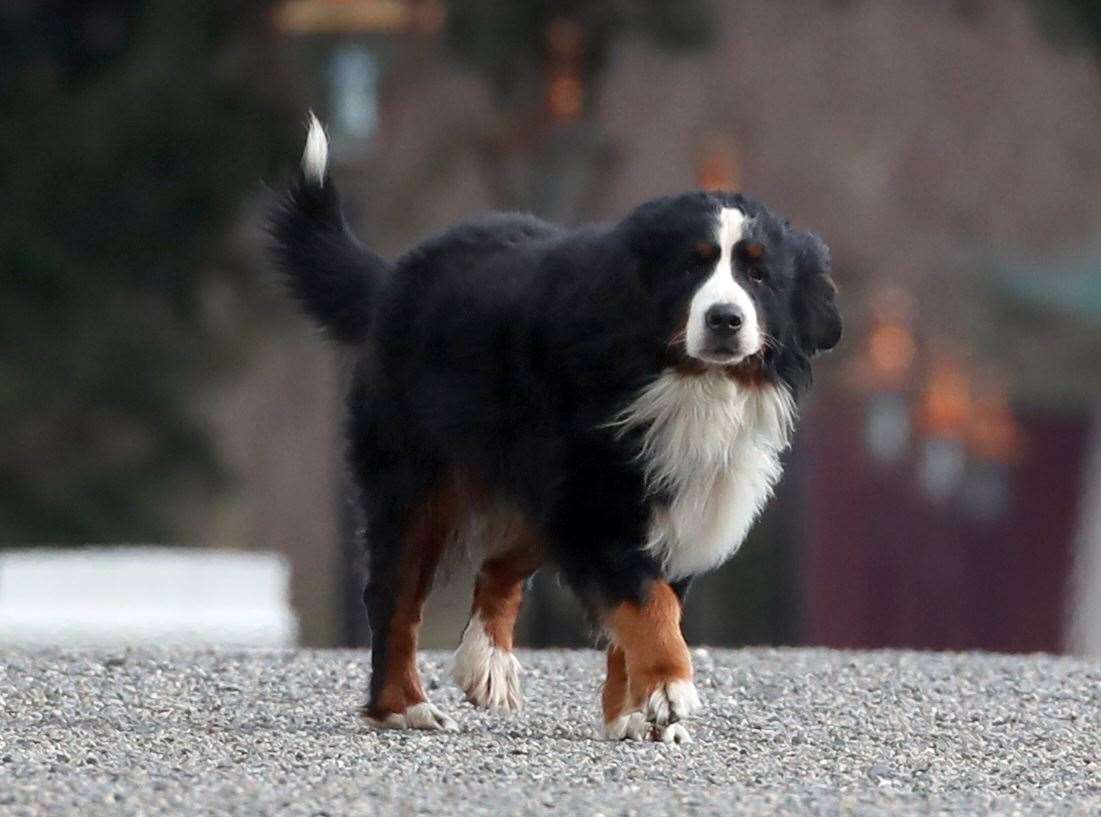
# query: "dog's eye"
751 253
702 257
705 252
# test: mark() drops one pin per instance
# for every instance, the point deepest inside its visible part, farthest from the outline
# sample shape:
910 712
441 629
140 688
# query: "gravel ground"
782 732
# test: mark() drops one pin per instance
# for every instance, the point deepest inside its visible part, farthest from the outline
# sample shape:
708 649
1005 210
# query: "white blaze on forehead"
721 288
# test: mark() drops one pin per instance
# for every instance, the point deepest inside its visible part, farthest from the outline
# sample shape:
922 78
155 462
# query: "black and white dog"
612 401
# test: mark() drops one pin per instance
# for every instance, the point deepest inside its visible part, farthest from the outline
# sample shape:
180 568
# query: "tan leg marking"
484 666
499 592
613 697
401 701
658 667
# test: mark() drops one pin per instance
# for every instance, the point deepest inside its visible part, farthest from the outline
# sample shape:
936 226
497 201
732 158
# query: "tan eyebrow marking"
706 250
754 250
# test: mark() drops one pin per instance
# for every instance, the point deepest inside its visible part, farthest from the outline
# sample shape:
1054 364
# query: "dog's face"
732 285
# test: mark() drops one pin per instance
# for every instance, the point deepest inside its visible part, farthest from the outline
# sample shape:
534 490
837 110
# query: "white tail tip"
315 158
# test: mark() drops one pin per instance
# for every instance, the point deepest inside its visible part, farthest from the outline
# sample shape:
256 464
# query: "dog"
611 401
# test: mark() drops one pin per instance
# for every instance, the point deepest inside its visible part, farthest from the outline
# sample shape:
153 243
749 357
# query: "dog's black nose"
723 319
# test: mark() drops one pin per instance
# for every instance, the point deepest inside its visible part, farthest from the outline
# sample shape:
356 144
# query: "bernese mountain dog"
611 402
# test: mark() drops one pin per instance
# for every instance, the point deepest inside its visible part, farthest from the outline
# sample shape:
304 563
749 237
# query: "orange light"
565 97
993 433
717 166
359 16
946 404
891 350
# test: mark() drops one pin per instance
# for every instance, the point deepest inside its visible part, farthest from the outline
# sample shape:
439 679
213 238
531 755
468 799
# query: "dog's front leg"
649 688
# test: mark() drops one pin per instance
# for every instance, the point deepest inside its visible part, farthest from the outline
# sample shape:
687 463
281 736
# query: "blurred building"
947 152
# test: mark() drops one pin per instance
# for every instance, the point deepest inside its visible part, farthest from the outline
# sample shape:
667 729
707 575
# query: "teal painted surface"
1073 287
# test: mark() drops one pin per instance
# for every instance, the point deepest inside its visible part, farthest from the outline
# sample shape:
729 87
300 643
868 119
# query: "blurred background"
170 429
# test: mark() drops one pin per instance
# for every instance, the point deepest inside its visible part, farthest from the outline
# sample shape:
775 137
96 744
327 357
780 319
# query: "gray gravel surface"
782 732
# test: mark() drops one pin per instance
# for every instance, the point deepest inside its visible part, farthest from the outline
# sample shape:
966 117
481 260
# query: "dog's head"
732 284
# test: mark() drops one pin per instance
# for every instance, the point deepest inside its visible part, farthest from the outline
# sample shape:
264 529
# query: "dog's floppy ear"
816 315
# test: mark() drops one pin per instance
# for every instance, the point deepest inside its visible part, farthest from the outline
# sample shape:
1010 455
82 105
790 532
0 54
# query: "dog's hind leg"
484 665
405 541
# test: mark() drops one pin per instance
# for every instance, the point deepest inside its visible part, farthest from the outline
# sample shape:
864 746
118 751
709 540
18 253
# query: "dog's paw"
488 675
418 716
426 716
659 716
629 726
671 701
673 734
634 726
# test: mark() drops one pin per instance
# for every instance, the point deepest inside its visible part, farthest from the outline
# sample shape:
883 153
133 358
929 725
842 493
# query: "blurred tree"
544 60
1073 20
131 133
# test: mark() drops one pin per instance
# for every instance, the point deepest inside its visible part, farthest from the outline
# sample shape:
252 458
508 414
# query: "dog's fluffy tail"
330 273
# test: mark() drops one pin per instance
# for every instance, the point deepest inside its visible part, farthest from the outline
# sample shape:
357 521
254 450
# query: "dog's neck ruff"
711 449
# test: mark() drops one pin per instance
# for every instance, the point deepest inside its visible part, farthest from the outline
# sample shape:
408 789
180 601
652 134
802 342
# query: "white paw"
488 675
418 716
395 720
672 702
426 716
631 726
675 733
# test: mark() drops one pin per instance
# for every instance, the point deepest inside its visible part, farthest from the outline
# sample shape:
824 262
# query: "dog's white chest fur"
713 447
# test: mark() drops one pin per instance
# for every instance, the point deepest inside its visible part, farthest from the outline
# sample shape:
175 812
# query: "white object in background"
1084 637
98 597
353 78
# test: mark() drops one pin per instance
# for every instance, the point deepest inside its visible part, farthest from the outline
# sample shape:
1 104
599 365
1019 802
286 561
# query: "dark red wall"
879 564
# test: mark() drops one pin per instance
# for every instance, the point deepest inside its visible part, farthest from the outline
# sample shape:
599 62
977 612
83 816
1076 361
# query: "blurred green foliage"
1073 21
128 141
